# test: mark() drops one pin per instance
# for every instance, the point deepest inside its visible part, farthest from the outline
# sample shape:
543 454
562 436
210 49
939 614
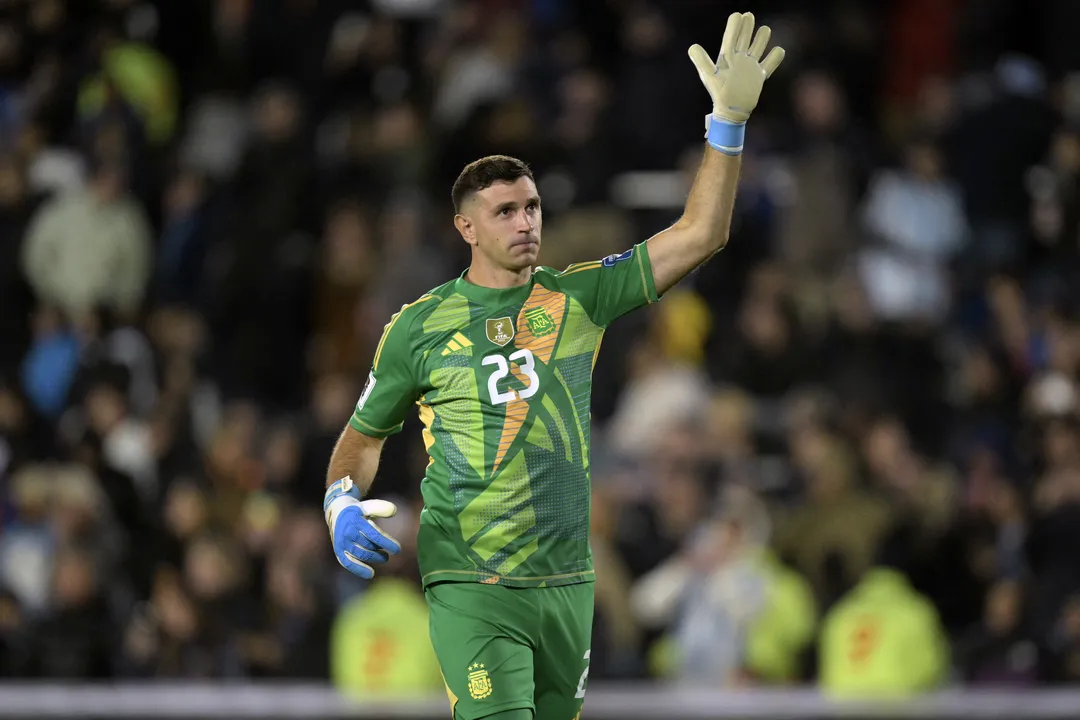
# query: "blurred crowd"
845 451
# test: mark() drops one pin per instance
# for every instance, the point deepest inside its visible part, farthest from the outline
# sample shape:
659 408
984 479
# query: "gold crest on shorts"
500 330
479 682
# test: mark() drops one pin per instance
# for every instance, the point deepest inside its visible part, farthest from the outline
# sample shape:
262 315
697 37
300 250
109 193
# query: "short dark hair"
485 172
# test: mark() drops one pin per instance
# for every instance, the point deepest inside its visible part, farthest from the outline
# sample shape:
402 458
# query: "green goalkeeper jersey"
503 382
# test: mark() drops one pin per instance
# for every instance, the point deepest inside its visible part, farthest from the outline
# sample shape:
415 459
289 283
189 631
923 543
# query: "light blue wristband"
724 135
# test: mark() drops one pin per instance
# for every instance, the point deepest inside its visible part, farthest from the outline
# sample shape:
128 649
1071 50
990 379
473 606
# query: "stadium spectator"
1000 651
735 613
883 639
90 249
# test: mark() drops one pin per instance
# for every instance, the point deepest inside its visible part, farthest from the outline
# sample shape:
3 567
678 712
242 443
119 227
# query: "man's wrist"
725 135
335 506
343 488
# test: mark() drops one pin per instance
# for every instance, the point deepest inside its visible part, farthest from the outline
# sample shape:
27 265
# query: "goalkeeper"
499 362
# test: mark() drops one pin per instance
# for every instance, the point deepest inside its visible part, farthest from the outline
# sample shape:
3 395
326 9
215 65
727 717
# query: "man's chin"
525 254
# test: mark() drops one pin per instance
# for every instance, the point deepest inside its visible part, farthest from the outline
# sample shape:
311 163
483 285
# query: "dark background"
209 209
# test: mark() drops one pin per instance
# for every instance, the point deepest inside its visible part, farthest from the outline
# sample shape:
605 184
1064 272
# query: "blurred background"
843 455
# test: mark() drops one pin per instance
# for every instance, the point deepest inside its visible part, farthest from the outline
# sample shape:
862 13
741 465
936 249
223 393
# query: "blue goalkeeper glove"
735 80
358 542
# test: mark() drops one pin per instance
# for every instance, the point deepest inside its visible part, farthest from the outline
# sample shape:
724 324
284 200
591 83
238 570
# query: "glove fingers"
761 41
361 553
374 535
772 61
746 32
378 508
704 64
364 554
353 565
731 35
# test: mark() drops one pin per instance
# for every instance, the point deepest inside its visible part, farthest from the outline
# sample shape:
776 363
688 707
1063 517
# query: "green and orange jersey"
503 382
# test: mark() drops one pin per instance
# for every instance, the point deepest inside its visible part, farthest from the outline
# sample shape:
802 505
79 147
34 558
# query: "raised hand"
735 80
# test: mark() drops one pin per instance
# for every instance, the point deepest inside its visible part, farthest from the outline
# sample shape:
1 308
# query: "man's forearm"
703 228
357 456
358 542
707 217
734 81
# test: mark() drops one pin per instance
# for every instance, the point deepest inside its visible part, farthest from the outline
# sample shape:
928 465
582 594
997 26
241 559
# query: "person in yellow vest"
778 637
379 644
883 639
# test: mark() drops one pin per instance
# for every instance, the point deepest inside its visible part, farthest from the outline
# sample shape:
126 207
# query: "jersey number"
525 361
584 676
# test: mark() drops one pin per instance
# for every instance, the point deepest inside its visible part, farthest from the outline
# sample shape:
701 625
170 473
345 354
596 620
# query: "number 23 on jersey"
500 365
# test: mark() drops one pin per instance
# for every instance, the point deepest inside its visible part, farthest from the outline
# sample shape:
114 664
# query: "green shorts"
504 648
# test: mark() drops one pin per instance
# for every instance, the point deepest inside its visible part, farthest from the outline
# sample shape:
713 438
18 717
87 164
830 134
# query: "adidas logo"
458 342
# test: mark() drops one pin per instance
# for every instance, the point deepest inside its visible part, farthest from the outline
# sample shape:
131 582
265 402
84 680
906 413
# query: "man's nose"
525 223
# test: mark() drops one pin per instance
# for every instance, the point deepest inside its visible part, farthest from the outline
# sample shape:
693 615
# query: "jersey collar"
493 296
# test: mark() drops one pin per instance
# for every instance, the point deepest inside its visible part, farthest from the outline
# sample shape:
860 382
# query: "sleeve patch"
367 391
610 260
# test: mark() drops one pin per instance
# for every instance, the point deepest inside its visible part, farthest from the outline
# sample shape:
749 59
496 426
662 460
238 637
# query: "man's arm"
390 390
734 82
702 231
380 411
355 455
358 541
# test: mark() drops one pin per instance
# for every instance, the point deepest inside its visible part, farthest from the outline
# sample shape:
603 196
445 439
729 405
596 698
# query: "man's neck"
497 278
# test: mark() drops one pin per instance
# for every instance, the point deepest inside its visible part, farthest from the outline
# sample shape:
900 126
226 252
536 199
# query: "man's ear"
465 227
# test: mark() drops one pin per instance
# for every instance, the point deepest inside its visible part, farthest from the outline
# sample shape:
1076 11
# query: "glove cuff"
725 135
341 488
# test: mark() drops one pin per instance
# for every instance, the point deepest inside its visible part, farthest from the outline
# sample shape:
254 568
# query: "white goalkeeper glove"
358 542
735 80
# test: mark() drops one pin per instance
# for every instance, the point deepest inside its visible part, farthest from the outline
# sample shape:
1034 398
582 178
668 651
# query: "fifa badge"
500 330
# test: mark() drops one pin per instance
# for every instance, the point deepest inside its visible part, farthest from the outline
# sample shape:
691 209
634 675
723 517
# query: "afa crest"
500 330
479 681
539 322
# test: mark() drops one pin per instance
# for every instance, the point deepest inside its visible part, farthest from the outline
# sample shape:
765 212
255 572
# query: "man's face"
503 223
